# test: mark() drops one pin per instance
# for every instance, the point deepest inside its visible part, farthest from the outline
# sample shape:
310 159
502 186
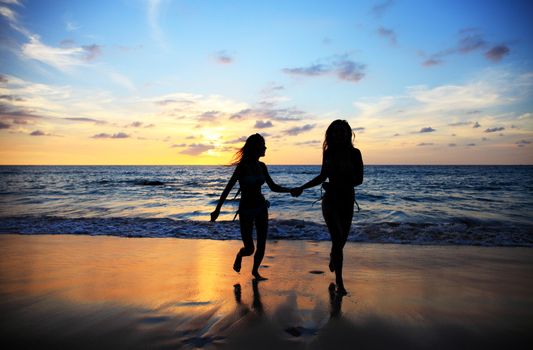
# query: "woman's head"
338 135
253 148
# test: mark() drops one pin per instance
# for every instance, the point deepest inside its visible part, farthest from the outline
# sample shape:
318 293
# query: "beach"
80 291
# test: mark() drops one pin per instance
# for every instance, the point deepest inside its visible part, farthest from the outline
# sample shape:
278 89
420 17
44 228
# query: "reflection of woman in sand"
253 208
343 165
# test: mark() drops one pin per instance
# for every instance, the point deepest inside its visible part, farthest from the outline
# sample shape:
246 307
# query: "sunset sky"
184 82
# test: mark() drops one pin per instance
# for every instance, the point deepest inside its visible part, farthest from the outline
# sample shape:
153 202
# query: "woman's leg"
334 221
246 224
261 228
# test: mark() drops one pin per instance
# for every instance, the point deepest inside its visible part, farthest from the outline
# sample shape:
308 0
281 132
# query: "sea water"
467 205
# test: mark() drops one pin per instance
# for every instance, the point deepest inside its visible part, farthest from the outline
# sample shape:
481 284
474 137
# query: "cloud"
432 62
263 124
522 143
460 124
17 115
88 120
471 145
4 125
91 52
119 135
311 71
178 145
135 125
379 9
3 79
501 128
299 129
208 117
388 34
469 40
340 66
358 129
239 140
277 114
423 144
153 14
11 98
196 149
427 129
452 145
40 133
497 53
71 26
309 143
223 57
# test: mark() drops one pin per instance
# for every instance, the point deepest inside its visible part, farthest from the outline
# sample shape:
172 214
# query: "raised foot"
237 263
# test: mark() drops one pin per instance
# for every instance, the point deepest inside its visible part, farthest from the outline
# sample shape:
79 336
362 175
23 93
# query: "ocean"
452 205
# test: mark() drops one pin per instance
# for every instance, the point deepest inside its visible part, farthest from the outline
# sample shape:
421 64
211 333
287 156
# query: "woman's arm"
318 179
271 184
224 195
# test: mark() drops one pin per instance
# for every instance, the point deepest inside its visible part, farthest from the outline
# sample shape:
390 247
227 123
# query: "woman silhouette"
253 208
342 164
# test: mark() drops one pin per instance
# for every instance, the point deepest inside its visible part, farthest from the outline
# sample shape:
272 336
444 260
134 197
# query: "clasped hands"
296 191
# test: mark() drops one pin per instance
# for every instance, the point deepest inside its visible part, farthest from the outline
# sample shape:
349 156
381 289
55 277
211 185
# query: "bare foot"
237 263
258 277
341 290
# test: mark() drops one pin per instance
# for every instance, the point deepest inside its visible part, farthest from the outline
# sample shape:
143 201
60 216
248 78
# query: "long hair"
249 150
339 137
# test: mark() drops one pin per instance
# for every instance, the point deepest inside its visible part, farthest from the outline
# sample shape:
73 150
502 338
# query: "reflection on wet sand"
96 292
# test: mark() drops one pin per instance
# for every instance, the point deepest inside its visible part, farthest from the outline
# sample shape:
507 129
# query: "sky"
151 82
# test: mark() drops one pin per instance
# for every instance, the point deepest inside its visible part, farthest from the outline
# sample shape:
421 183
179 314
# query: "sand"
67 291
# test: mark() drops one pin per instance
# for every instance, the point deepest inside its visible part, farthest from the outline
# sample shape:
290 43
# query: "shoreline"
93 291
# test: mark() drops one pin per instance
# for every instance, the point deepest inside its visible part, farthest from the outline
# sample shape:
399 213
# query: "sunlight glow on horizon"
179 82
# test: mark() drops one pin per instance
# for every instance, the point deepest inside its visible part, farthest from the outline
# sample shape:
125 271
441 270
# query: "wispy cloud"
299 129
40 133
423 144
208 117
496 53
120 135
460 124
223 57
381 8
238 140
196 149
340 66
87 120
489 130
427 129
263 124
522 143
469 40
154 7
277 114
388 34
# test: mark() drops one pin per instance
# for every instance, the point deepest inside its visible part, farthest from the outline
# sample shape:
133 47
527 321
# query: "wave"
460 231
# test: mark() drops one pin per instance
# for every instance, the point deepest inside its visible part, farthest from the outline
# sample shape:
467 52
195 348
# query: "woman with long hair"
342 164
253 208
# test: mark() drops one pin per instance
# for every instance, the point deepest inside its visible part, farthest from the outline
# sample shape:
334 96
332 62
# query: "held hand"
296 192
214 214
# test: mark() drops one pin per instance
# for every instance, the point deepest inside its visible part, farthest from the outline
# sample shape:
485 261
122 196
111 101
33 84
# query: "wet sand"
100 292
